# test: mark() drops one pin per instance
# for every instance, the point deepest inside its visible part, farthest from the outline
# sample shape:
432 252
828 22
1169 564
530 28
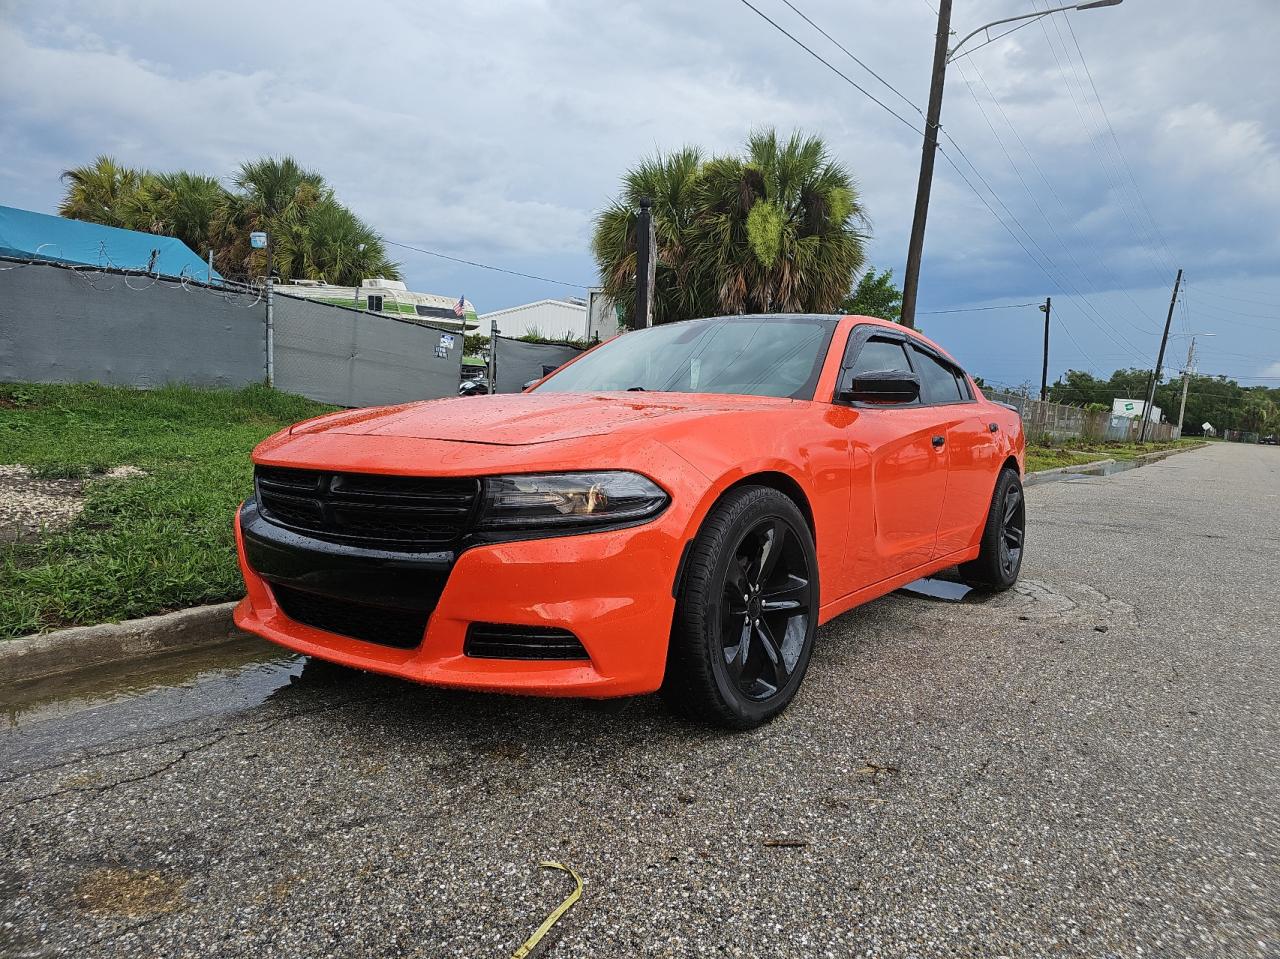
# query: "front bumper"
612 590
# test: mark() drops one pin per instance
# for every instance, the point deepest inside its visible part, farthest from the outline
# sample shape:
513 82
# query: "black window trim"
858 337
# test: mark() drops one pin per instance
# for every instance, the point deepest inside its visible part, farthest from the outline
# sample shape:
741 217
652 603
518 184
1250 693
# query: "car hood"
524 419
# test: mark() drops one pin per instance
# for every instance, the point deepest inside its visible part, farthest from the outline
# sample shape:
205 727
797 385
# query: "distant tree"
779 228
875 295
178 204
99 192
313 235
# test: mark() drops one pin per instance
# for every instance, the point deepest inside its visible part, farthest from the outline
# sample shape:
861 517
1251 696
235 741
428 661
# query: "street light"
951 54
941 57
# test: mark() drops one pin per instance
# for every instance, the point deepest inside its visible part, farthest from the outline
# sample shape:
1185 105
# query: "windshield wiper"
636 389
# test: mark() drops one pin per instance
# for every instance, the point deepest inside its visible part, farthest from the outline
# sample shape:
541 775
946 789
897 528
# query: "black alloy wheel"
1004 535
1013 527
765 610
746 611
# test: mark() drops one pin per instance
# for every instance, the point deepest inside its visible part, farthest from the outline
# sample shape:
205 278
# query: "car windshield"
775 355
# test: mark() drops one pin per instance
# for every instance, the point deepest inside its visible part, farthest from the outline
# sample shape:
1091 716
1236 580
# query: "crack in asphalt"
219 736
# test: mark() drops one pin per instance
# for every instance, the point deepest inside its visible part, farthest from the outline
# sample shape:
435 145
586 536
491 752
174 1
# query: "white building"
389 297
553 319
1133 409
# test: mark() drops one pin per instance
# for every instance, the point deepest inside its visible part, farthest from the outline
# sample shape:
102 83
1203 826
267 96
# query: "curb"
1070 467
1152 457
84 647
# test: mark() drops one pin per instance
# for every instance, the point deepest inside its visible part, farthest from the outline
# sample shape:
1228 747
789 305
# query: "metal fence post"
493 358
271 334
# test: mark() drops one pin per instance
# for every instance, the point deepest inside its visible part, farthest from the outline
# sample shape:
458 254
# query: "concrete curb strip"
84 647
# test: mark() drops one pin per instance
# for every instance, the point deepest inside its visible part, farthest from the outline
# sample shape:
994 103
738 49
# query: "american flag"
460 308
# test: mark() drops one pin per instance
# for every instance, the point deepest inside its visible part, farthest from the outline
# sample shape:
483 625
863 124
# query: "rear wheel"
746 613
1000 559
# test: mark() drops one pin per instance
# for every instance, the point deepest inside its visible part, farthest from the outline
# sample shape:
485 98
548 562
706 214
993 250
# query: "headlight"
568 501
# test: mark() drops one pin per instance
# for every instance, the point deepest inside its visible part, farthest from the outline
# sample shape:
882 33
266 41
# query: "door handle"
994 427
939 440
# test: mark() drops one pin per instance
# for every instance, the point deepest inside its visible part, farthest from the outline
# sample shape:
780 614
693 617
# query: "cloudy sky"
495 131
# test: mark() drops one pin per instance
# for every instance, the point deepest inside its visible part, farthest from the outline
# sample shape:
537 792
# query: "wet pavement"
1085 766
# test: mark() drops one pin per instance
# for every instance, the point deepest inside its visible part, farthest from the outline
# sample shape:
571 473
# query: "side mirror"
886 387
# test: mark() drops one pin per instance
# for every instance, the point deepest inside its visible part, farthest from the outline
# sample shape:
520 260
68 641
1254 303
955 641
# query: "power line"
1116 182
1101 322
486 266
1062 207
1105 325
901 96
1119 150
979 309
836 70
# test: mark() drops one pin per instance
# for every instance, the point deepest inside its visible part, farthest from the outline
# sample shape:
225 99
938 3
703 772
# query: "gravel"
999 778
31 505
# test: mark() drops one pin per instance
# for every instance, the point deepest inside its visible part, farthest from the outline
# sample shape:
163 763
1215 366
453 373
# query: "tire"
753 563
1003 538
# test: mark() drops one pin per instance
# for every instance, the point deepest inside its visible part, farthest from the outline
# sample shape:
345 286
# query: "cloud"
495 131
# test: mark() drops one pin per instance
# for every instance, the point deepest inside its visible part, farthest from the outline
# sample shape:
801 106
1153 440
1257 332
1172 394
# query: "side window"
375 303
962 381
938 383
878 356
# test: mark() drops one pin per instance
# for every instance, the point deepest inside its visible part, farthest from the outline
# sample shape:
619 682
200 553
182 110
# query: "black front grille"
499 641
406 512
372 624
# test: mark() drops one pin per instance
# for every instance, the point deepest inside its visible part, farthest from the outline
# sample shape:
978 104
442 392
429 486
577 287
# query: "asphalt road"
1086 767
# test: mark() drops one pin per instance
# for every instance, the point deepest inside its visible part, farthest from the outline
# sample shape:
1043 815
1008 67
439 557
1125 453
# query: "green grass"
1078 452
144 545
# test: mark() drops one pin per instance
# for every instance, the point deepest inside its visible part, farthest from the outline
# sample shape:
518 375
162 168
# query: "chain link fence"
1057 422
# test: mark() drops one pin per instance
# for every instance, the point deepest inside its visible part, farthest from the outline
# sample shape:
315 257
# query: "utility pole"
1155 374
645 266
1186 375
1044 367
924 185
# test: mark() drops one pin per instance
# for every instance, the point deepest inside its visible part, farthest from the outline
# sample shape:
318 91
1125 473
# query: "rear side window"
938 383
880 356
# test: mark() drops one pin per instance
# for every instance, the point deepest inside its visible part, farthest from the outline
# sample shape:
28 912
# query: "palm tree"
178 204
99 192
780 229
333 245
670 181
311 234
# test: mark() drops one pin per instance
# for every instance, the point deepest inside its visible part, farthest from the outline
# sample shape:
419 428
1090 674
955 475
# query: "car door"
971 448
900 468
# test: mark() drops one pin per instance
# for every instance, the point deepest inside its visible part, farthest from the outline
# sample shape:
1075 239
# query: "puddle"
83 709
1087 470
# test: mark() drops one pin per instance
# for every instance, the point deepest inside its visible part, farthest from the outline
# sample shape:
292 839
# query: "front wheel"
746 613
1003 536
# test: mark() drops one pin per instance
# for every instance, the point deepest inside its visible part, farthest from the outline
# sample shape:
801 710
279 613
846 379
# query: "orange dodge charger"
677 509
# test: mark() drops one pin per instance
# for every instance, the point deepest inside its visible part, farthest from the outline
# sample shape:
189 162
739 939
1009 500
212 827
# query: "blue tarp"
38 236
